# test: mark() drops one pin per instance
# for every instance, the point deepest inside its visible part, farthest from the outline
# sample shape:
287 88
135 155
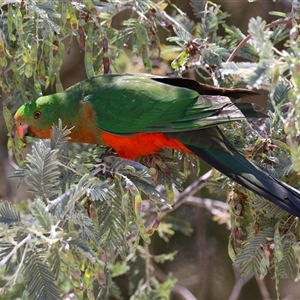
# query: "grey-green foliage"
87 207
39 279
253 257
42 171
8 213
76 224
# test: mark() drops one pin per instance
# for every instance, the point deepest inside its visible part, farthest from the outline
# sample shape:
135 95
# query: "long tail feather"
212 146
205 89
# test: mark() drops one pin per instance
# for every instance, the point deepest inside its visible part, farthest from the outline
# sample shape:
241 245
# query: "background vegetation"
83 234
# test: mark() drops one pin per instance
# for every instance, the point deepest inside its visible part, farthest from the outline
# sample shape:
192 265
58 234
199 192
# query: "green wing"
127 104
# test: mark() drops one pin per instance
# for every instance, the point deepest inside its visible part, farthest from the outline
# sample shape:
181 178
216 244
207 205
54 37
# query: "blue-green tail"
212 146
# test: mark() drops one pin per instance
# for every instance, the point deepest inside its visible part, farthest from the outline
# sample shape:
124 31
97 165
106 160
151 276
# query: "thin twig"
21 263
113 8
263 289
239 283
54 202
177 289
12 252
182 197
11 160
6 2
160 14
238 47
192 189
165 17
216 207
248 37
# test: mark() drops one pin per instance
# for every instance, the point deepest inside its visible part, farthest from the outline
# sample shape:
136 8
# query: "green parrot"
140 114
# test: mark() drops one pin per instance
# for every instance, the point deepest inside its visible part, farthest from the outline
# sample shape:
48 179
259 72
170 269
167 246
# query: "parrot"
140 114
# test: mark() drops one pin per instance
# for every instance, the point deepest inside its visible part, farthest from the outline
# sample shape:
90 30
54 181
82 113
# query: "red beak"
22 130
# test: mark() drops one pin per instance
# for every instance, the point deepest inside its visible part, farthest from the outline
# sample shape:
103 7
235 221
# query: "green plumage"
130 104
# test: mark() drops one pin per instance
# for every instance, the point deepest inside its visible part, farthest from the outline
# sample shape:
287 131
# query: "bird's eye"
37 114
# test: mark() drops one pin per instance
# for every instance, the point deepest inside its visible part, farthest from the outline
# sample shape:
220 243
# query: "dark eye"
37 114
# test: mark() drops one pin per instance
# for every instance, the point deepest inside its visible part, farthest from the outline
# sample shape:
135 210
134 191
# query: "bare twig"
14 250
113 8
192 189
162 15
177 289
165 17
239 283
6 2
248 37
216 207
263 289
239 47
207 202
182 197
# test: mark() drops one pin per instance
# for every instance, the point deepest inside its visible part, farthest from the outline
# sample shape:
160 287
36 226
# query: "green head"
35 118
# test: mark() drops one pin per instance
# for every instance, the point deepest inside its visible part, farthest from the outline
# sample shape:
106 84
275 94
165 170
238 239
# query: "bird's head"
35 118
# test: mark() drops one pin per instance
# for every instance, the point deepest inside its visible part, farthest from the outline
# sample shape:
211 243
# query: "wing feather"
128 104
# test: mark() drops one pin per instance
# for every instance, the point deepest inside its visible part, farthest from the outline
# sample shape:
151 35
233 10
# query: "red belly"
141 144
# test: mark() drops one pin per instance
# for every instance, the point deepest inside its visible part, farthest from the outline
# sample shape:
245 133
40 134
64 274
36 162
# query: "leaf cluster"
86 211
